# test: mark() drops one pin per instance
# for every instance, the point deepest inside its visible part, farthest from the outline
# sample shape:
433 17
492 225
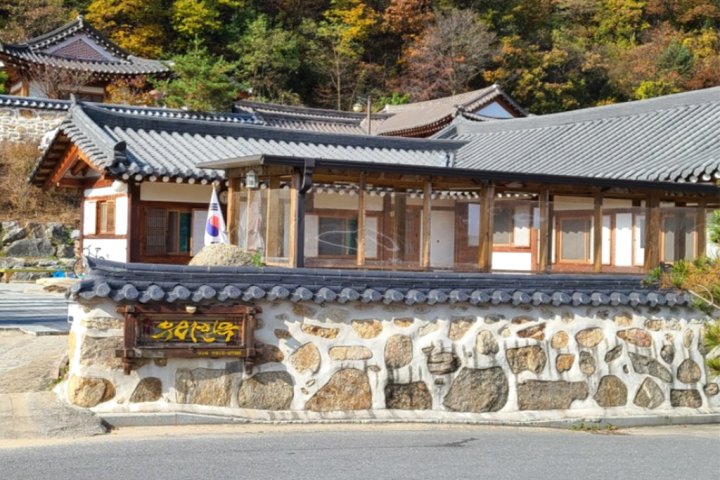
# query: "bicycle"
80 264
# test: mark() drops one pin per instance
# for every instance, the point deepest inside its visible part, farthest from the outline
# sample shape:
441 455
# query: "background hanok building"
418 120
72 59
609 189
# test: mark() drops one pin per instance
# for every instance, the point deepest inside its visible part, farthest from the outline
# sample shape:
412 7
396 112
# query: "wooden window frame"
510 207
572 215
106 225
166 257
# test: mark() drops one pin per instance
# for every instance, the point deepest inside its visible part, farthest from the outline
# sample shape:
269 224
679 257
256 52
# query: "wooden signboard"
165 331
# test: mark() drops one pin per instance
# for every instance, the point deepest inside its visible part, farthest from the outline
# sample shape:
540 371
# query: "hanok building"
418 120
72 59
614 189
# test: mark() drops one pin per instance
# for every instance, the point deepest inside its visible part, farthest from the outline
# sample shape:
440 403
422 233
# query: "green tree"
201 82
195 18
340 45
141 26
3 80
269 57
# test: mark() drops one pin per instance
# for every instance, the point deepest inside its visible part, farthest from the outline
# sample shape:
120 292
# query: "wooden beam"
361 224
545 208
427 192
273 217
75 169
487 205
680 227
652 234
67 161
701 230
597 233
134 223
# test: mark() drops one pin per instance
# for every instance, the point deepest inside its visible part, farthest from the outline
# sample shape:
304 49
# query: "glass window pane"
184 232
337 236
574 239
502 225
154 231
172 233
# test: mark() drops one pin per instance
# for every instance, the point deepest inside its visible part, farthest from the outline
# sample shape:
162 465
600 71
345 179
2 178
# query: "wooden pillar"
361 225
680 227
233 209
652 233
427 192
544 232
399 209
297 222
701 230
273 219
487 204
134 219
597 233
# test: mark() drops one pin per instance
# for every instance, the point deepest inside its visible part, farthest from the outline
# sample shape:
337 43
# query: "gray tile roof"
310 119
146 283
435 114
139 144
675 138
35 51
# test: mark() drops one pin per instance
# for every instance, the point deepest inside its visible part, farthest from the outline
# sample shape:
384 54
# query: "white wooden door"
442 238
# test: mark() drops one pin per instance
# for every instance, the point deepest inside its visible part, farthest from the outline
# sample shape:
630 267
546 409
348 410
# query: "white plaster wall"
335 201
495 110
175 192
114 249
517 261
121 216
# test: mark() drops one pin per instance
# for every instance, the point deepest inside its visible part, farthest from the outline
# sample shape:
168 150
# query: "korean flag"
215 231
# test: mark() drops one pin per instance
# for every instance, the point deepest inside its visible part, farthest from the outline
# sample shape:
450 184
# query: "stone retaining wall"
27 124
494 361
41 245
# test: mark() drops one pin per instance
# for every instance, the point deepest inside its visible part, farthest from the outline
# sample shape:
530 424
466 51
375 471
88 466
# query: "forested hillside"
551 55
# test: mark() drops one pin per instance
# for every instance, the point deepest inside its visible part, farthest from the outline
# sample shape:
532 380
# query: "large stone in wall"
31 247
89 391
318 331
408 396
559 340
203 386
485 343
564 362
536 332
689 371
149 389
100 351
398 351
685 398
587 363
459 326
269 354
367 328
347 389
478 390
589 337
306 358
352 352
13 234
611 392
636 336
440 362
550 395
267 391
530 358
649 395
650 366
667 353
613 354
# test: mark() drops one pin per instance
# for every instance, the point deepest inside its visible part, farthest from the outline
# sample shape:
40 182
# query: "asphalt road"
28 307
375 452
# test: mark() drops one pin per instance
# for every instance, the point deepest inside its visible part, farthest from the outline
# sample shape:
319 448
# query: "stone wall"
27 124
42 245
482 362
